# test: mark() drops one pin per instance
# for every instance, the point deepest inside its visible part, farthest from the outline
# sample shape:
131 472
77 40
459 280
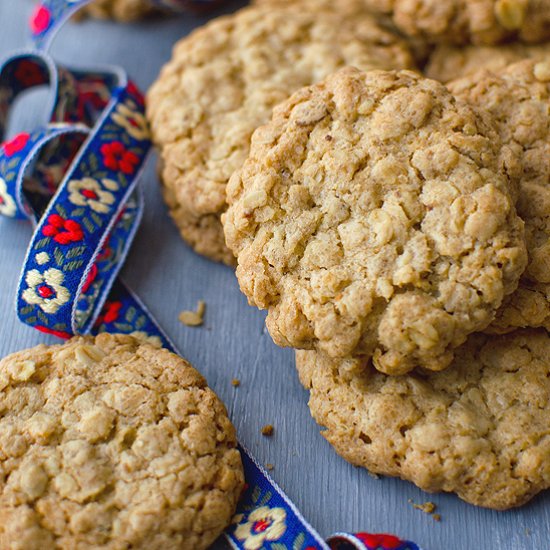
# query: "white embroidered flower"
46 289
263 524
131 120
7 204
89 192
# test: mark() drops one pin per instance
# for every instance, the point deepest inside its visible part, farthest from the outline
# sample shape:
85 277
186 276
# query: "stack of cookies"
395 227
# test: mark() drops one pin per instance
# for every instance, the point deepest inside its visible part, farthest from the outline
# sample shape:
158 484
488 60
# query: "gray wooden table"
332 494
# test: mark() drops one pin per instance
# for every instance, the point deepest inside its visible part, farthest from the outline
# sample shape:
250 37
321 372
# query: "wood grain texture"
332 494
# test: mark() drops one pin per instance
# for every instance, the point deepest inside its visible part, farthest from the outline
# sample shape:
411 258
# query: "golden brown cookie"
223 82
467 21
371 218
111 442
518 99
449 62
121 10
480 429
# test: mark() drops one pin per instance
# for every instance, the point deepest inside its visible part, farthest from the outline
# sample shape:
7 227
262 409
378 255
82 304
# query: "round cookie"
518 99
467 21
371 218
449 63
479 429
223 82
111 442
121 10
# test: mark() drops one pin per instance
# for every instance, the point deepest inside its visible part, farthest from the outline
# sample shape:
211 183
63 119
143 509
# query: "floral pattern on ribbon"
62 231
46 289
262 524
93 194
132 120
7 203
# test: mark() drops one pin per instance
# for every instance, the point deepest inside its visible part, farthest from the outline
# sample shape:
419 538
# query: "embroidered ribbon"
76 181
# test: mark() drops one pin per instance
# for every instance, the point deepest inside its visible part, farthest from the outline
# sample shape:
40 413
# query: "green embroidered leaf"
256 493
97 219
111 128
123 180
60 326
31 320
140 323
278 546
74 252
26 310
131 314
13 163
77 212
42 243
58 255
265 499
93 161
124 327
61 211
10 176
42 317
88 225
71 266
299 542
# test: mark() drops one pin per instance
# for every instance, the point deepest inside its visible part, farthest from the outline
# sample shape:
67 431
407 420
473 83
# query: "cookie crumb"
268 430
235 382
193 318
427 508
269 466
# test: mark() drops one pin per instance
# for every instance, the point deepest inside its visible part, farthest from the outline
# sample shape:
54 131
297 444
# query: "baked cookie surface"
222 83
121 10
468 21
371 218
111 442
449 62
479 429
518 99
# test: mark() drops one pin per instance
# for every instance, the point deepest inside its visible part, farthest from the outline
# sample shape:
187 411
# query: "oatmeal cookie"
467 21
449 63
480 429
121 10
371 218
518 99
223 82
111 442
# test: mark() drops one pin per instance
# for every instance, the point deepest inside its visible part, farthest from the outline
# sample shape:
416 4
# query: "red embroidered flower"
58 333
40 20
111 312
135 93
374 542
117 157
92 274
63 231
28 73
16 144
